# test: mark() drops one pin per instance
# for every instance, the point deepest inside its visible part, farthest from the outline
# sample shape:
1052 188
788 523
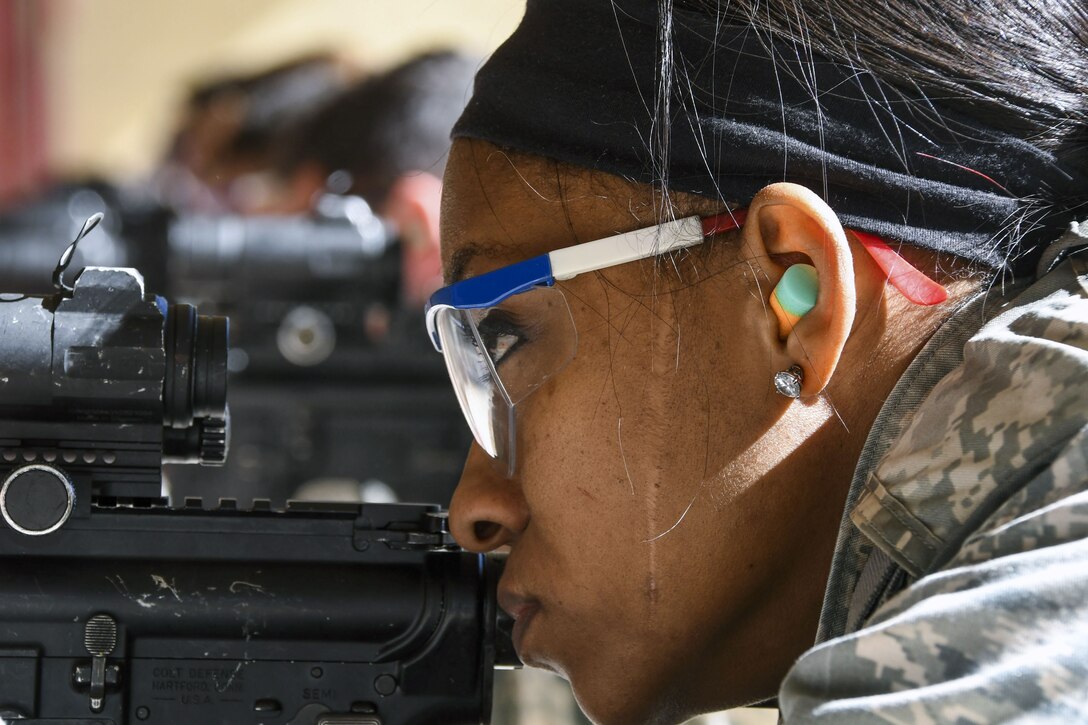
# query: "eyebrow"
459 261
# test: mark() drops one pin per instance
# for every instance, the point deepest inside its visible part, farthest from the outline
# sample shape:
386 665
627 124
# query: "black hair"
1018 66
271 101
388 125
282 96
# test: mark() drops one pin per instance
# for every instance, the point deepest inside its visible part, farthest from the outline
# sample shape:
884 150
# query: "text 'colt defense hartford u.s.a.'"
116 608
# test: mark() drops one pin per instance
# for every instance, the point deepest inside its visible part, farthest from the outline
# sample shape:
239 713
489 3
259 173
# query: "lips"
522 609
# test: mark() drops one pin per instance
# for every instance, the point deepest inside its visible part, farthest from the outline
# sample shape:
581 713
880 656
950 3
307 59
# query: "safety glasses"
506 332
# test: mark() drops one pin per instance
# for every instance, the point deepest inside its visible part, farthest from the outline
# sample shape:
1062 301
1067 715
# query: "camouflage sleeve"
998 634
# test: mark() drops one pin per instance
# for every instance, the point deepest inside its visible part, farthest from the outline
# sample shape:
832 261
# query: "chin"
613 684
618 706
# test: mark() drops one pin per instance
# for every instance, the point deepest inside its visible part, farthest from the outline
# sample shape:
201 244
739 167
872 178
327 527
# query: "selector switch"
100 639
37 499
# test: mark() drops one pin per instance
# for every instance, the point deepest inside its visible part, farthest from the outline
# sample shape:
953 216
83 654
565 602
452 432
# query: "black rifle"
314 302
116 608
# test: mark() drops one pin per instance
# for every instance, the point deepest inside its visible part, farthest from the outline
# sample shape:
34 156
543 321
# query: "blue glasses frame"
491 288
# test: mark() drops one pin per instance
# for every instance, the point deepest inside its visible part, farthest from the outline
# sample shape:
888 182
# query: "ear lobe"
788 223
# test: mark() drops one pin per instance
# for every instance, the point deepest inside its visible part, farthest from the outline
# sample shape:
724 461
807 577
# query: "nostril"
484 531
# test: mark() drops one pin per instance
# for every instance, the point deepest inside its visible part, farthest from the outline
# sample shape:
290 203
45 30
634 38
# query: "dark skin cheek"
587 494
650 590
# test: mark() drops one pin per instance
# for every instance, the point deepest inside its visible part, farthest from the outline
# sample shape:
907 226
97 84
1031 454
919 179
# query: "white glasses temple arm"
622 248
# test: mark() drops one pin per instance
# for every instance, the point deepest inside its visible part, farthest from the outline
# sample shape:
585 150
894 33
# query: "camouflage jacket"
959 586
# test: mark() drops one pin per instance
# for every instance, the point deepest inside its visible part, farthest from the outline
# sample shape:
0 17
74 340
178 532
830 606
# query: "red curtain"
22 98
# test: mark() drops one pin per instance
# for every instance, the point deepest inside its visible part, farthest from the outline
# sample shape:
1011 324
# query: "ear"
412 205
787 224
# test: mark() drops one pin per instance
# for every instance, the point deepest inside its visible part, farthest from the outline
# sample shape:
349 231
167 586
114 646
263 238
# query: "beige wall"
117 69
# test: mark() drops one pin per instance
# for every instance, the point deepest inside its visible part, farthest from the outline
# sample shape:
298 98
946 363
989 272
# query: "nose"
487 510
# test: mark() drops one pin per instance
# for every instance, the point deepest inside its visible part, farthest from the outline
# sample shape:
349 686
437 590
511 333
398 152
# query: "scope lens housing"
195 385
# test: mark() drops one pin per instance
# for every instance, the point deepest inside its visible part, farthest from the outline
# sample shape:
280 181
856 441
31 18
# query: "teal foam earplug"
794 296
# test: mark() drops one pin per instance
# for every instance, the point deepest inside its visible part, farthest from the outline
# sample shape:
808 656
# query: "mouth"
522 609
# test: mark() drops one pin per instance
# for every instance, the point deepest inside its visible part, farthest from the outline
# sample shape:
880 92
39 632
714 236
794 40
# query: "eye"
501 335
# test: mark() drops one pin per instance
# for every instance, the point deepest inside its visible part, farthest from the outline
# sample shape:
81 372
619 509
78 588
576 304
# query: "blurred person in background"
351 336
386 139
232 128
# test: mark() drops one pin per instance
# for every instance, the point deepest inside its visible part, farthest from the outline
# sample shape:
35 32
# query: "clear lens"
497 356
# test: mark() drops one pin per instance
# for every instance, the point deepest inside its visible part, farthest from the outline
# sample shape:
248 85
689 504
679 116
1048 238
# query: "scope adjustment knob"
214 441
37 499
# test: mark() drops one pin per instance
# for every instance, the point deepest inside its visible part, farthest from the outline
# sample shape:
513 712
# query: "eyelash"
498 328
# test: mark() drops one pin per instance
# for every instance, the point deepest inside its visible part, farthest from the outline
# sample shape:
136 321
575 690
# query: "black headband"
577 83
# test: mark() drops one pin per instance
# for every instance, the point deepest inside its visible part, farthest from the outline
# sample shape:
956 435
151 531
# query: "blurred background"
99 84
280 162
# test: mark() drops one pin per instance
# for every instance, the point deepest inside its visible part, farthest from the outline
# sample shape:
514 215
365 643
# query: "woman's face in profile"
656 512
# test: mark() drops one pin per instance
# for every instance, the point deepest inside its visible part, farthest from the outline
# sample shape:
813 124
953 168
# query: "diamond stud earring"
788 382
